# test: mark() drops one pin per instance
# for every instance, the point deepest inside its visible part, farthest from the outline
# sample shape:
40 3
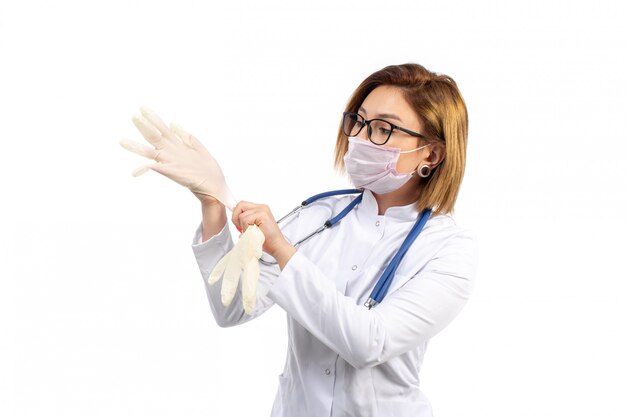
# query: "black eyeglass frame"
367 122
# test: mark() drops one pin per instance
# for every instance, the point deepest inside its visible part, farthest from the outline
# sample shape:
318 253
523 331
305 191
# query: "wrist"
283 254
210 202
206 200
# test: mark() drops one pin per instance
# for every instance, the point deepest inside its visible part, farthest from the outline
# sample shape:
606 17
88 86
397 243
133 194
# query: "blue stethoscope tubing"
384 282
330 222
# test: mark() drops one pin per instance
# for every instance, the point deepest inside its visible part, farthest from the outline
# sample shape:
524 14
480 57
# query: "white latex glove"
243 259
180 157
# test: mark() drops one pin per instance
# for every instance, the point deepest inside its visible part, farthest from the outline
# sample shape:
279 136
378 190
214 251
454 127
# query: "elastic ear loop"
416 149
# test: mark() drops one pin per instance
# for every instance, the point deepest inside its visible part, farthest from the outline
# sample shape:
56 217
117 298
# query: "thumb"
143 169
162 169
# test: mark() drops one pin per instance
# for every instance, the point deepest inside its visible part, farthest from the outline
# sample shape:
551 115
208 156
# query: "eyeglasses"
378 130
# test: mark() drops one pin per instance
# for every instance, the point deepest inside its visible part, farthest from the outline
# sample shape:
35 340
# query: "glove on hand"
180 157
243 257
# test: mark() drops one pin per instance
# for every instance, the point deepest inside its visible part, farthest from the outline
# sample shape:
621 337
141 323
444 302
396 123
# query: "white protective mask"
374 166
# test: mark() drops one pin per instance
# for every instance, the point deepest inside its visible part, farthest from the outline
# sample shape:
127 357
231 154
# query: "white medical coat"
342 359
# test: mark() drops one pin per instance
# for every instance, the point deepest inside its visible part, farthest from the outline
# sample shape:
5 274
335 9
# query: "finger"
246 213
252 239
236 213
256 216
151 134
182 135
247 205
257 239
139 148
242 207
156 122
218 270
249 284
231 275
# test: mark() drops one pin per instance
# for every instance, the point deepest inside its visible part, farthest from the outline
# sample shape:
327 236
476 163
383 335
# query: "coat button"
354 267
327 371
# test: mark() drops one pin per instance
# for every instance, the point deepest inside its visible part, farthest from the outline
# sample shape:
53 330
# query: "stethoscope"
384 282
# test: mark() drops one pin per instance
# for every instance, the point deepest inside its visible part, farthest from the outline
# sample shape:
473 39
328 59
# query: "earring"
423 171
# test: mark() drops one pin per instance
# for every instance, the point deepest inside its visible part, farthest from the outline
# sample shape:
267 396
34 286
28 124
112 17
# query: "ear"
436 155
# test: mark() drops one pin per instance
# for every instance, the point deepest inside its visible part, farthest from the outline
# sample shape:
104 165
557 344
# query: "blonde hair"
438 103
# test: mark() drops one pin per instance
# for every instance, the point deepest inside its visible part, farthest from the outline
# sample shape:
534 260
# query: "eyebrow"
383 115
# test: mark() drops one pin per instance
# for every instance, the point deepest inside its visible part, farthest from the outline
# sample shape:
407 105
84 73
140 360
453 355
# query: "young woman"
363 296
402 141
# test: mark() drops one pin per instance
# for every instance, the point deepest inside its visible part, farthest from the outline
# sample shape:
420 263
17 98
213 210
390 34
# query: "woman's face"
387 102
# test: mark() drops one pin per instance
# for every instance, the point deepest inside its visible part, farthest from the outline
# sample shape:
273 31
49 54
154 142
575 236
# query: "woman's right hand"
180 157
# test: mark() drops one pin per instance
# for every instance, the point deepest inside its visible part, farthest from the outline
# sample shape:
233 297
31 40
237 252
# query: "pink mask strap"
416 149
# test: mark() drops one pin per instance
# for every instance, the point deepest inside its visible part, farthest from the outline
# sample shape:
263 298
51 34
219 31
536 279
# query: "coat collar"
369 208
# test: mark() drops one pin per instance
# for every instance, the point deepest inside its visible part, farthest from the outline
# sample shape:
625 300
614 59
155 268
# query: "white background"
102 306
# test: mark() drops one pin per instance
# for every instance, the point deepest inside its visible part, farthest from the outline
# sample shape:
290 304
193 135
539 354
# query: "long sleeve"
207 254
412 314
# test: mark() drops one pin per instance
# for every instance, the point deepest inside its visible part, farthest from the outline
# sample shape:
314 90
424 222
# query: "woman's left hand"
246 213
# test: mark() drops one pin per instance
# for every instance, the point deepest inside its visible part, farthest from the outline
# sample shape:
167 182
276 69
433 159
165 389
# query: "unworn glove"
242 260
180 157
